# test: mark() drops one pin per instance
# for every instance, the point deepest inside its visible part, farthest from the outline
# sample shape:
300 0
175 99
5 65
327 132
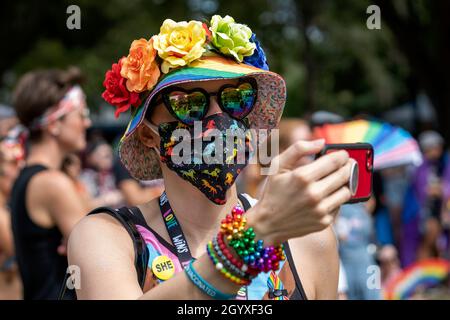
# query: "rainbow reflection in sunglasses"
192 105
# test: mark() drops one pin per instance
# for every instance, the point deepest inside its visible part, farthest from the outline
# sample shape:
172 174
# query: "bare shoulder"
103 251
97 232
51 175
50 182
317 263
52 199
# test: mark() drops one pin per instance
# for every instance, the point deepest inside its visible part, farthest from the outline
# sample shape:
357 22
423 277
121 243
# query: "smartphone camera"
353 181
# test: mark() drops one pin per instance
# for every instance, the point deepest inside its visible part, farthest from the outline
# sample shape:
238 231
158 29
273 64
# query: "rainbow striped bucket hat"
128 88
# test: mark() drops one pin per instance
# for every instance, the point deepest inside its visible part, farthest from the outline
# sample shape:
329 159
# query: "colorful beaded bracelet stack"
254 257
227 260
243 242
237 262
219 264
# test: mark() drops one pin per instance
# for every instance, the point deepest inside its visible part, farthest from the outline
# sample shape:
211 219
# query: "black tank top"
42 269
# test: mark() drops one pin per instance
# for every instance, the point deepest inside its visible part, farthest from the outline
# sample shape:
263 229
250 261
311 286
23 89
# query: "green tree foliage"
329 58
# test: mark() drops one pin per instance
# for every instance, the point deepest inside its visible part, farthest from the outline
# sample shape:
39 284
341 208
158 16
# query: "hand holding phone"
300 199
360 182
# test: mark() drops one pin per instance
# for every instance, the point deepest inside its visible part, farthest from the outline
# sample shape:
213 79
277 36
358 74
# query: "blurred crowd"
98 178
406 220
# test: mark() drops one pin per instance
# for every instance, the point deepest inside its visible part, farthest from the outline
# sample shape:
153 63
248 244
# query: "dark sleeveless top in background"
42 269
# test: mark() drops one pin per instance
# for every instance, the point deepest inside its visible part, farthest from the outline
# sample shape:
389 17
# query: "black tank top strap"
137 215
21 185
129 217
32 170
244 201
298 294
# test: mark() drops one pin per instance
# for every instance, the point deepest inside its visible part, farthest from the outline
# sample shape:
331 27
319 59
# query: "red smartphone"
362 172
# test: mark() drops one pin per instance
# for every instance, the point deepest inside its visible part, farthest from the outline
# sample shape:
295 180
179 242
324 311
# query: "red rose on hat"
116 92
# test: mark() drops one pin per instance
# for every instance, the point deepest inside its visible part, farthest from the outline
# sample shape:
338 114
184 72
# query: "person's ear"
147 136
54 128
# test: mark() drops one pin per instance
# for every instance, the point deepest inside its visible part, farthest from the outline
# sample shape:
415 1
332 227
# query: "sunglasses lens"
188 107
238 102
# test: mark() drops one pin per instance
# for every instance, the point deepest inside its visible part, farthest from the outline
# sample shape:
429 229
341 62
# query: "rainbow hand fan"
421 275
393 146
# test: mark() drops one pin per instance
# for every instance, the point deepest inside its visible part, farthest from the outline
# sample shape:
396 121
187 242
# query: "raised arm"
298 201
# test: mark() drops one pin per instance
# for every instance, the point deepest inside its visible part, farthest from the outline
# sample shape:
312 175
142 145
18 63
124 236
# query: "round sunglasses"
192 105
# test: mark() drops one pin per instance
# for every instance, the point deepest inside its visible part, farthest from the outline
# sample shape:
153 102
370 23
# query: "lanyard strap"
179 240
174 230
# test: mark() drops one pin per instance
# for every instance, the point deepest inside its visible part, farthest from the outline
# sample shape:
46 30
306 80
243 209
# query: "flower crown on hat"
176 46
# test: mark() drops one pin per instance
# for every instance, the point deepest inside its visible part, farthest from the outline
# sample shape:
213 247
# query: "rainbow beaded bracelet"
222 269
230 261
243 242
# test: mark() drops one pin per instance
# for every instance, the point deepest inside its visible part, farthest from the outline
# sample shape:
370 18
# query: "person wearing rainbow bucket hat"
201 239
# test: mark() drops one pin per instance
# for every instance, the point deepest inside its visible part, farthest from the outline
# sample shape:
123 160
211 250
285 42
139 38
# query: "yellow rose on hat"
179 43
140 67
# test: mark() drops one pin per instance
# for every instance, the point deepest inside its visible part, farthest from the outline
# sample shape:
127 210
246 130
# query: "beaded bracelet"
237 263
224 261
257 256
243 242
233 264
223 270
233 225
203 285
